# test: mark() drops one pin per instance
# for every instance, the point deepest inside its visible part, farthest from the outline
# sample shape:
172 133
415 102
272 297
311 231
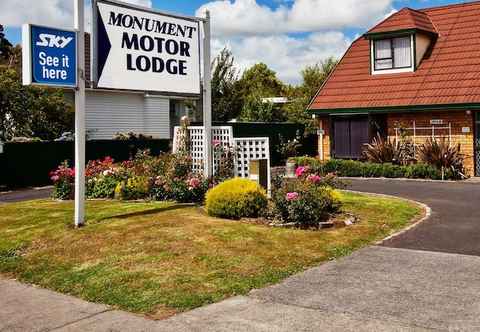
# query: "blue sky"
286 34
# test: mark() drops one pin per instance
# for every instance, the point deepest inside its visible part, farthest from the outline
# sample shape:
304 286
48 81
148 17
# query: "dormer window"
392 55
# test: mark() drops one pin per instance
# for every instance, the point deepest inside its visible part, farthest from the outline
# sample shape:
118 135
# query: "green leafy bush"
306 200
102 187
443 156
137 187
353 168
63 179
236 198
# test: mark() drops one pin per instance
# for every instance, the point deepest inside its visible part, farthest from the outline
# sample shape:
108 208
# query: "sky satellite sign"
140 49
49 56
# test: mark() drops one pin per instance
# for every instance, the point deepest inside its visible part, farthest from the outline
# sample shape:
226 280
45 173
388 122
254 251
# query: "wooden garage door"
350 135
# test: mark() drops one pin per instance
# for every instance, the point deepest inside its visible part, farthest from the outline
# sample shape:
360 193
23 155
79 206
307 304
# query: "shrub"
398 152
352 168
307 200
63 179
137 187
102 187
441 155
189 190
236 198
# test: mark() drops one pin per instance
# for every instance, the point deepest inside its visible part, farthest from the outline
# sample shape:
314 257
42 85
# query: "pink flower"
193 183
292 196
55 178
300 170
314 178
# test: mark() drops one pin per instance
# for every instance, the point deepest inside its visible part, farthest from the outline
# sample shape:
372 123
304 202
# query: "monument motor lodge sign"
138 50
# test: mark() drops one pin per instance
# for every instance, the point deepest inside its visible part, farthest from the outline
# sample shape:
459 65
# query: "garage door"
350 135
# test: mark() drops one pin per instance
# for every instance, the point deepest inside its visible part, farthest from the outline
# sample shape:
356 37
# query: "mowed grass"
158 259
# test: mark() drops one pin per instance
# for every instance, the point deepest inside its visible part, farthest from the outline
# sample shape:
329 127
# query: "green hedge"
352 168
29 164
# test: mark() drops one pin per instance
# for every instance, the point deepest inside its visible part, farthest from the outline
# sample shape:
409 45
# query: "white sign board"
140 49
436 122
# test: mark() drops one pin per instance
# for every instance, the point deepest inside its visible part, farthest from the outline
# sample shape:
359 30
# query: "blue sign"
54 56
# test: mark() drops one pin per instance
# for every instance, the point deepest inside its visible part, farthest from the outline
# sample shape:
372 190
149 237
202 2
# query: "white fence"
246 149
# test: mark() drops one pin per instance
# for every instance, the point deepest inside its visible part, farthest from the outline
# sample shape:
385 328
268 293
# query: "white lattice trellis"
251 148
223 135
247 149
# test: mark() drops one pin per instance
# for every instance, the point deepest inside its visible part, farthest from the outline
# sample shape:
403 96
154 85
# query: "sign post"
80 118
207 99
55 57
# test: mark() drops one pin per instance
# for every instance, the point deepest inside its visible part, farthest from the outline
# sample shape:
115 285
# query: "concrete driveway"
419 281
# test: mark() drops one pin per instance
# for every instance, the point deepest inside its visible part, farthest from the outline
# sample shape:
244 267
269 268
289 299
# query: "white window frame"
393 70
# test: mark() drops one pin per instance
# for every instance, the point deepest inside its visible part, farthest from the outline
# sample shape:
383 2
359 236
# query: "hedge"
29 164
353 168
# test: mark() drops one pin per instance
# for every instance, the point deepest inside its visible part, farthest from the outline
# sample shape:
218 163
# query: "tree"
256 110
5 46
259 80
31 111
226 101
314 76
312 79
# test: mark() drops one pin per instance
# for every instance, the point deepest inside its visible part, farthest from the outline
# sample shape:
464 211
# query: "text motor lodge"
164 49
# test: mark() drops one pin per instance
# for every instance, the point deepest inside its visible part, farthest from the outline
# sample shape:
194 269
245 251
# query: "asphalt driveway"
454 226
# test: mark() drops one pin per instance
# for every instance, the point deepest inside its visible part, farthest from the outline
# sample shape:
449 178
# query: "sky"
287 35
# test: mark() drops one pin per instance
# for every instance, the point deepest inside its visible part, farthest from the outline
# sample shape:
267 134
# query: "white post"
207 99
80 117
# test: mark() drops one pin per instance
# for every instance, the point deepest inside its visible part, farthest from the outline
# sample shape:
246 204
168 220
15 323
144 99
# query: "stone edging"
427 213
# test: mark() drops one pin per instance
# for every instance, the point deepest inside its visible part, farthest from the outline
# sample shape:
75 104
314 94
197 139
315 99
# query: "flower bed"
166 177
306 201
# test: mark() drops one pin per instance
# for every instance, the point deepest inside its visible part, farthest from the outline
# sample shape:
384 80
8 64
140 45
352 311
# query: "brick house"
416 73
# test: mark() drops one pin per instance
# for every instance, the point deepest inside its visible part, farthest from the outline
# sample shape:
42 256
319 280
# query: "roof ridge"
476 2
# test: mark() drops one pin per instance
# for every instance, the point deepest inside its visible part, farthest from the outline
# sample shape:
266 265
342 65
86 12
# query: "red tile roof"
405 19
450 74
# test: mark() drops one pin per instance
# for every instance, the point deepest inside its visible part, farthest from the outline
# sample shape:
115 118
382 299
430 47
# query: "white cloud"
14 13
284 54
248 17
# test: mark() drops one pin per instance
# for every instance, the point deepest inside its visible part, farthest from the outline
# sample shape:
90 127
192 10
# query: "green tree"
31 111
226 101
300 96
256 109
259 80
5 46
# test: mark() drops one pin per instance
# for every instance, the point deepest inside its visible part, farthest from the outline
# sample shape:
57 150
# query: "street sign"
143 49
49 56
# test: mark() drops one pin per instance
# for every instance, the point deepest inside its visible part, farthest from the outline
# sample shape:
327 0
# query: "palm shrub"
442 156
399 152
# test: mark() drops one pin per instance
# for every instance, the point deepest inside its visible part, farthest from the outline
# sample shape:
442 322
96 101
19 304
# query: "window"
395 53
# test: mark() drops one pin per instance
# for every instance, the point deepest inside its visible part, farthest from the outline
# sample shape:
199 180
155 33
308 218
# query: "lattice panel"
251 148
223 135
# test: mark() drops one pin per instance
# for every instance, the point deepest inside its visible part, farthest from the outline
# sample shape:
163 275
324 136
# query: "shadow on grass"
146 212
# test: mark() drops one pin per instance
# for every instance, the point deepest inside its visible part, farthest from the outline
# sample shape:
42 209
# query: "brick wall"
457 119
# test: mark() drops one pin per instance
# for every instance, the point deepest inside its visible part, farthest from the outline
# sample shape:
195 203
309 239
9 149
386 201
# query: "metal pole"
80 118
207 99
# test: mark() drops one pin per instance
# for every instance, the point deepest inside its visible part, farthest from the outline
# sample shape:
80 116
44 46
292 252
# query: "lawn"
158 259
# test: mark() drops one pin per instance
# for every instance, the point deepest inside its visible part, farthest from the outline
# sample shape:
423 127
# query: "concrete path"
379 288
25 194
